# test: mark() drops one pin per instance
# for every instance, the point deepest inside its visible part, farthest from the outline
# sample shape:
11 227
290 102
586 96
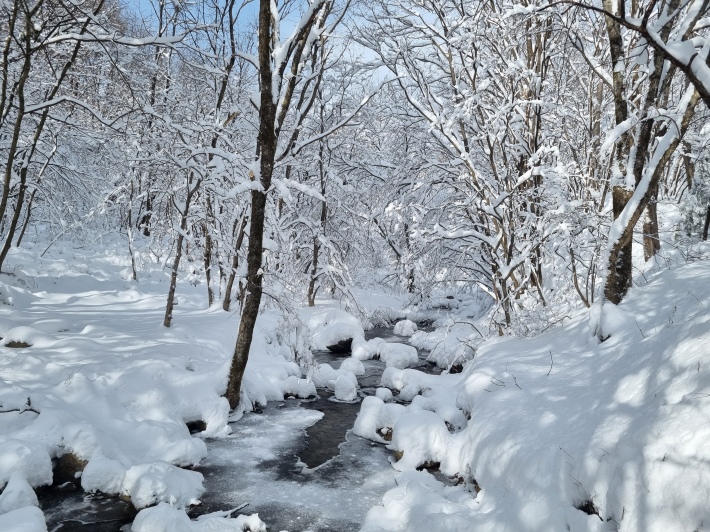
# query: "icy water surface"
295 464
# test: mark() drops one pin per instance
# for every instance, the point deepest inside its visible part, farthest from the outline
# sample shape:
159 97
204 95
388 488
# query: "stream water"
295 463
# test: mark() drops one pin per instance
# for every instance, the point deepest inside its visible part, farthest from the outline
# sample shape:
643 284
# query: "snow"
166 518
422 437
366 349
113 387
374 415
353 365
325 376
29 460
405 328
149 484
453 342
561 421
27 519
398 355
384 394
330 326
17 494
344 388
531 430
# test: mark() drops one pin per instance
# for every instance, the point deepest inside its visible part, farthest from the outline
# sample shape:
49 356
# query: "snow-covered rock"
29 460
149 484
324 376
385 394
166 518
295 387
332 327
345 390
23 335
27 519
366 349
17 494
375 415
353 365
405 328
421 437
398 355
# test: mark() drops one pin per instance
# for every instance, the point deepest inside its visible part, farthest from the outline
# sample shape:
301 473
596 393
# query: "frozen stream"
295 463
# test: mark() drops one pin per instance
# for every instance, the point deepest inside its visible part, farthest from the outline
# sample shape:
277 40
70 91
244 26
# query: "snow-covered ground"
557 432
105 382
566 433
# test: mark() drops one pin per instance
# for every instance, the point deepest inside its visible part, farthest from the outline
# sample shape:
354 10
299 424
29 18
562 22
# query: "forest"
354 265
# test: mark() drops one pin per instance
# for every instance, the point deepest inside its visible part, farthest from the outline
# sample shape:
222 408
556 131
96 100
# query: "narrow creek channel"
295 463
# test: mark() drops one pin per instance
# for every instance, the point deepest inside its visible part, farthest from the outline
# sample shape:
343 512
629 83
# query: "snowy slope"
104 381
620 429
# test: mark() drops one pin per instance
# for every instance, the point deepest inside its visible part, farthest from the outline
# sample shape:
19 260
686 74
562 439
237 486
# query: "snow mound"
396 355
333 326
385 394
324 376
365 349
353 365
405 328
27 519
149 484
422 437
420 503
295 387
345 390
17 494
450 344
374 416
30 461
166 518
27 336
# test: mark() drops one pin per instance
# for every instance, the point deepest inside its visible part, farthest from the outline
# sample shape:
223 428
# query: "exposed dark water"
299 472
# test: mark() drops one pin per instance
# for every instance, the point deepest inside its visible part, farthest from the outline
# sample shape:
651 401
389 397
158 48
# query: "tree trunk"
178 254
173 280
707 224
312 289
266 144
651 240
226 303
618 280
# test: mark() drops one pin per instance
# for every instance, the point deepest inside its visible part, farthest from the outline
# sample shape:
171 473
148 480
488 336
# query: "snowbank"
566 433
110 386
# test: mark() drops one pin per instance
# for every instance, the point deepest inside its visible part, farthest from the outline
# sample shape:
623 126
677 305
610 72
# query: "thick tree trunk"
619 276
254 280
707 224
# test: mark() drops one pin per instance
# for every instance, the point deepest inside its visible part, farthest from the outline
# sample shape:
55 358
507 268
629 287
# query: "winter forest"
354 265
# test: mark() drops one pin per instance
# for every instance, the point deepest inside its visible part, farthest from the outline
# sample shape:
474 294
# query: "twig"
639 327
516 382
551 362
696 299
20 410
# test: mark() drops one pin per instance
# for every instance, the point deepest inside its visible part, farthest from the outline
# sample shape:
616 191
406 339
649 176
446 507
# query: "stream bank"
295 463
